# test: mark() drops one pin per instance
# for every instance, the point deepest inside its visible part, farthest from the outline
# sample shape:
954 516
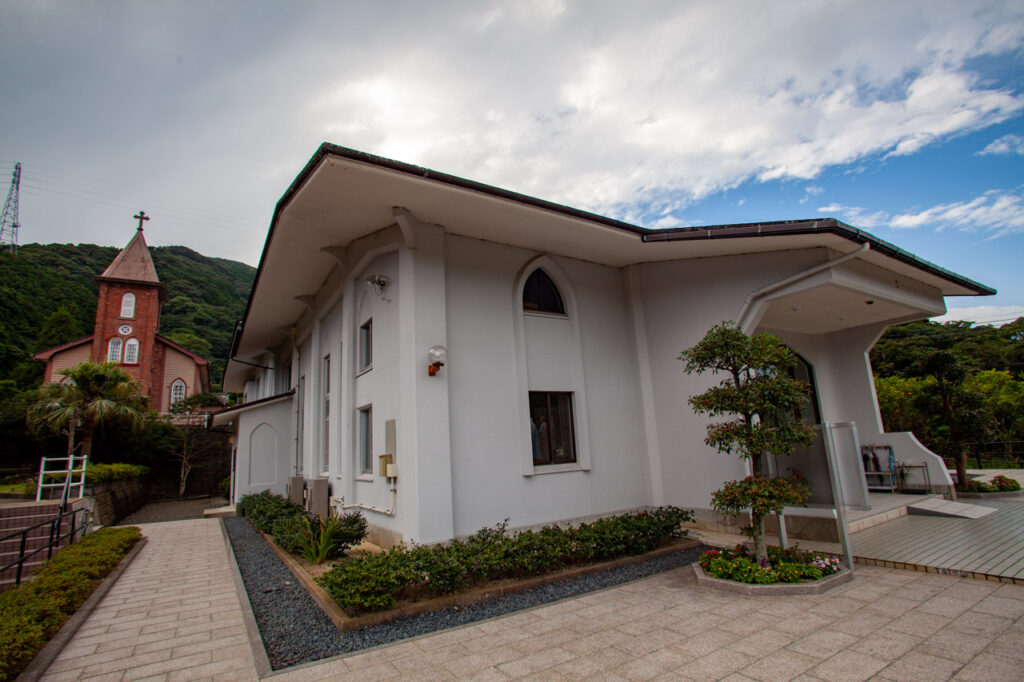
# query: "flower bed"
297 532
999 484
373 582
783 566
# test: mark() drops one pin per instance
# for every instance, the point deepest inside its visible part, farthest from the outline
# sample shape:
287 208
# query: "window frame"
184 391
547 286
115 342
131 344
553 414
364 357
364 450
325 427
128 306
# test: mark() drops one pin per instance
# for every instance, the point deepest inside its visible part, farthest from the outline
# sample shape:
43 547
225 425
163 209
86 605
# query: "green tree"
1003 397
766 403
897 401
197 441
191 341
60 327
958 415
91 394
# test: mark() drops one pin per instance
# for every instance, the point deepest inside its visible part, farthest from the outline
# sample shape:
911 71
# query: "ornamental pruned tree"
765 403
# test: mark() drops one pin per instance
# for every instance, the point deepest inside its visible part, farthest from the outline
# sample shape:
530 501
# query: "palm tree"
90 394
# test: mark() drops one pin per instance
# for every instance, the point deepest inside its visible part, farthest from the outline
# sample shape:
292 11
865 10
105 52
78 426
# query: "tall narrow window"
366 440
178 390
131 352
366 345
551 428
541 295
128 305
300 443
326 434
114 350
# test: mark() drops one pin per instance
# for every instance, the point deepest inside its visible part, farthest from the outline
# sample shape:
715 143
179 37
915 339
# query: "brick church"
127 319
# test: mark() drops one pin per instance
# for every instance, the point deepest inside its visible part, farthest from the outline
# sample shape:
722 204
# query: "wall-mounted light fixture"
378 282
436 356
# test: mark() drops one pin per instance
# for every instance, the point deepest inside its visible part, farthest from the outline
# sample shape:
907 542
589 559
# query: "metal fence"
1006 454
75 528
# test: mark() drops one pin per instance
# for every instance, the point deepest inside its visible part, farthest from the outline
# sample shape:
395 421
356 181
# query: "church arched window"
178 390
114 350
541 295
131 352
128 305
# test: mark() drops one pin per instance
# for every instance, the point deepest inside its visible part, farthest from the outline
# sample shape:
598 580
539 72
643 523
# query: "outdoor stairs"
17 517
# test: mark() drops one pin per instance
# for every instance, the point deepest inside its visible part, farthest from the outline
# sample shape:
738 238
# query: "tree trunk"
757 534
961 468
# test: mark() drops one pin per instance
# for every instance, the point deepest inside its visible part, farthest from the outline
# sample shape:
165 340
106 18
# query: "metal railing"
1009 453
56 537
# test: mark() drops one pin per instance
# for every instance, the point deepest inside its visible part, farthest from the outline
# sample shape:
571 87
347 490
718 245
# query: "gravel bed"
295 630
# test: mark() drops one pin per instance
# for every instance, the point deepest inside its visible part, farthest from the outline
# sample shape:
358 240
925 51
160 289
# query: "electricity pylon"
9 218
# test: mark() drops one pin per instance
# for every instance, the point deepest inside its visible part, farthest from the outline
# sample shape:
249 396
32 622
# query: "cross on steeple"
141 216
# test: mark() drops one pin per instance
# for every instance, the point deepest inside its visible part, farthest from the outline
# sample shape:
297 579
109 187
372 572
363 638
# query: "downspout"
749 303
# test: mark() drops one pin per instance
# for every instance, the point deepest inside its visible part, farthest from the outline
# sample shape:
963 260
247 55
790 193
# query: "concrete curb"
347 623
37 667
252 631
776 589
992 496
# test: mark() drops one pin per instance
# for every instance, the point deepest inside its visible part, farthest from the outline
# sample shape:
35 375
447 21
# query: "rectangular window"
551 428
299 444
366 440
325 381
366 345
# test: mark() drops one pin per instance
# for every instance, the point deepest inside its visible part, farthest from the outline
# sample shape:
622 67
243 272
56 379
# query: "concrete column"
424 446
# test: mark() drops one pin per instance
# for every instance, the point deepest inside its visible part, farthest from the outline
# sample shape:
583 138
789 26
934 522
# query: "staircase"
17 517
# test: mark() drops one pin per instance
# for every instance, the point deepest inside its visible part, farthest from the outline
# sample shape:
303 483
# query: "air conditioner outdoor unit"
297 490
318 496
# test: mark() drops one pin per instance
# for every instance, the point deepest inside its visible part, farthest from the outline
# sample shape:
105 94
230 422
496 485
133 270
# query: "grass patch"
33 612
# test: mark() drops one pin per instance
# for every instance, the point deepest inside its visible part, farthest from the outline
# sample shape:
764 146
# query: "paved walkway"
175 615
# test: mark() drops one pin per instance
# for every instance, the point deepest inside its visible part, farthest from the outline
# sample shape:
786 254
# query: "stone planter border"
776 589
991 496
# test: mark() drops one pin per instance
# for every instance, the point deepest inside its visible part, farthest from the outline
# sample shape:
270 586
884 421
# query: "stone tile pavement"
175 615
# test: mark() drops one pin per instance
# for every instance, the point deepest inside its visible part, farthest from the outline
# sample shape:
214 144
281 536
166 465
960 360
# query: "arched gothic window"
128 305
114 350
177 391
541 295
131 352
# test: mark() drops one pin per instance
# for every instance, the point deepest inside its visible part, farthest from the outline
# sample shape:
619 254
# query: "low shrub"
783 565
33 612
104 473
224 487
265 508
376 581
297 532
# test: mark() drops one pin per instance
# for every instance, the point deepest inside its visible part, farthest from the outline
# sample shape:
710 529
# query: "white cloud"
997 315
999 212
1007 144
811 191
631 110
855 215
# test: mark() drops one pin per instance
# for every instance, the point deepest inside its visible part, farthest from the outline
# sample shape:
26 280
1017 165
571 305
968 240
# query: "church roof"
133 264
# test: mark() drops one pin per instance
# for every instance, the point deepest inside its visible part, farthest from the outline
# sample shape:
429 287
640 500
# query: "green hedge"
376 581
104 473
297 532
33 612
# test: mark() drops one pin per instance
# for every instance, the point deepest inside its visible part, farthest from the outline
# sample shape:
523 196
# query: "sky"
905 119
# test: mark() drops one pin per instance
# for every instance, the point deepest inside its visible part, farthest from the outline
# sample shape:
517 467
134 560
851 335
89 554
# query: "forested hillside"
953 384
206 297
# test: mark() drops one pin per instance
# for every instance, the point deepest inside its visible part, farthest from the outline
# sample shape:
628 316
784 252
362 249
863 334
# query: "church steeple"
134 263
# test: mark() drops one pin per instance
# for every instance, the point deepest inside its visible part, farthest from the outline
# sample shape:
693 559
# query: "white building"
561 396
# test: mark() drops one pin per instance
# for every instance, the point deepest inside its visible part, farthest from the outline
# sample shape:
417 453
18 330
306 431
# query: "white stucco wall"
487 442
263 444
